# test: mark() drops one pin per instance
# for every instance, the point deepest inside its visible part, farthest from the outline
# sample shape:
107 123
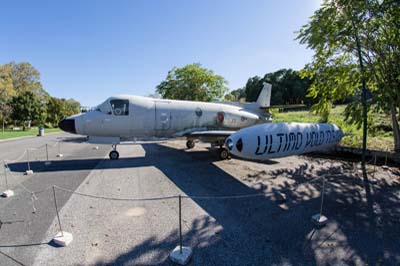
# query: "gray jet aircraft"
122 117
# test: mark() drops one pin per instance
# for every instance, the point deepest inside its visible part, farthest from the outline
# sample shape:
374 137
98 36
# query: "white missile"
274 140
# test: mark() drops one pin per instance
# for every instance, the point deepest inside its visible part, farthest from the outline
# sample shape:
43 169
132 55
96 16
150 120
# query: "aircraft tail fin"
264 98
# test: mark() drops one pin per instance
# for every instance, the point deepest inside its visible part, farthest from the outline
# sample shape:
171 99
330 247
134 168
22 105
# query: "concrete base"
181 258
280 197
63 239
385 167
96 148
318 219
8 193
47 163
29 172
59 155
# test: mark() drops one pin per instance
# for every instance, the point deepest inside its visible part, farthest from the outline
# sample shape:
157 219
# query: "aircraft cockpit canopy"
114 106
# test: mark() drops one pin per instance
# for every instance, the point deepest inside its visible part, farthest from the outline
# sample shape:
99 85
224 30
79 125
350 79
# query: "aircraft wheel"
190 144
114 155
224 154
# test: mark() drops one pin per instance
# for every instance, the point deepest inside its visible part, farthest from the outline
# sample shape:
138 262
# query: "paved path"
243 231
26 229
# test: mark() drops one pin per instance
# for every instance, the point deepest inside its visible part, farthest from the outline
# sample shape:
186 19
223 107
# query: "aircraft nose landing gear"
190 144
114 154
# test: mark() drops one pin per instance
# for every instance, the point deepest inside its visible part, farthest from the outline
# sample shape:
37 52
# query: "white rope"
112 198
16 160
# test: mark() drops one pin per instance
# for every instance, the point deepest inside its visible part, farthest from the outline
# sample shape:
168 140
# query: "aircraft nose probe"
67 125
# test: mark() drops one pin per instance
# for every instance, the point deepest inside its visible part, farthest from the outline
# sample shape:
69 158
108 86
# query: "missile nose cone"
67 125
229 143
239 145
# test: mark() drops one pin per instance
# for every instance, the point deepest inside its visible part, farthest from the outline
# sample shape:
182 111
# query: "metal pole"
180 223
5 174
322 196
47 153
58 216
59 147
386 155
27 155
363 98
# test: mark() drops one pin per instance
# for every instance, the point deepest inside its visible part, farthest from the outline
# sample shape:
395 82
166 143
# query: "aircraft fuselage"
136 116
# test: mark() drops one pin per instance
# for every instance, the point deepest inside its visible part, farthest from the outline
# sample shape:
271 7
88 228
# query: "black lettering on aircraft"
270 145
321 137
280 135
292 139
259 143
328 136
286 142
308 139
299 136
266 143
315 138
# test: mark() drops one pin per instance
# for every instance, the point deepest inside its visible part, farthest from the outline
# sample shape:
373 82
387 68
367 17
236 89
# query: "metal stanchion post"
180 223
47 162
58 216
374 167
62 238
27 157
181 254
59 154
29 171
8 192
320 219
5 174
385 167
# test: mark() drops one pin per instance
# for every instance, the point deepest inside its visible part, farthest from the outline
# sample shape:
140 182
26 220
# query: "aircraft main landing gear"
224 153
190 144
114 154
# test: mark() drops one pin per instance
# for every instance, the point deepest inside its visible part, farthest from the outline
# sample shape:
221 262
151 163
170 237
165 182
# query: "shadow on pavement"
259 231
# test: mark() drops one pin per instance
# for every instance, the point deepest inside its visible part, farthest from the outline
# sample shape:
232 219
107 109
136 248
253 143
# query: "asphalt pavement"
27 217
101 204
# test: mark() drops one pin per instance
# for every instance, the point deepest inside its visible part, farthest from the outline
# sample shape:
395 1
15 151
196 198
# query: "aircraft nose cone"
67 125
229 143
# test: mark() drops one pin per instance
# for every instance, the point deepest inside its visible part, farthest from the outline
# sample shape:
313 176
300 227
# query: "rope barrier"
185 196
116 199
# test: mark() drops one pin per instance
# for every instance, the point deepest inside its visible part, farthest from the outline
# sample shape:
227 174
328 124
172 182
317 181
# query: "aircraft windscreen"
104 108
120 107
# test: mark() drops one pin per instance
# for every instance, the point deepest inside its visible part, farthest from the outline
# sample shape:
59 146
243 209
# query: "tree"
6 91
56 109
235 95
27 107
71 107
333 32
23 77
287 87
192 82
5 109
253 88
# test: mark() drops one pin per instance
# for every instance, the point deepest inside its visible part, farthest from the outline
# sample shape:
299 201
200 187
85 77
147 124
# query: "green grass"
8 134
379 140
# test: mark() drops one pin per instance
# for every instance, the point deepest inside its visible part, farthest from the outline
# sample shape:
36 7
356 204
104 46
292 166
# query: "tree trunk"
396 129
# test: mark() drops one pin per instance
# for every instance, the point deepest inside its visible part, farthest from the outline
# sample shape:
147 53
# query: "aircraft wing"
211 134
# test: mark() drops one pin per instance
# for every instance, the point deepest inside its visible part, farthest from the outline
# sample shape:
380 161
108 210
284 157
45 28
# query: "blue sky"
89 50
